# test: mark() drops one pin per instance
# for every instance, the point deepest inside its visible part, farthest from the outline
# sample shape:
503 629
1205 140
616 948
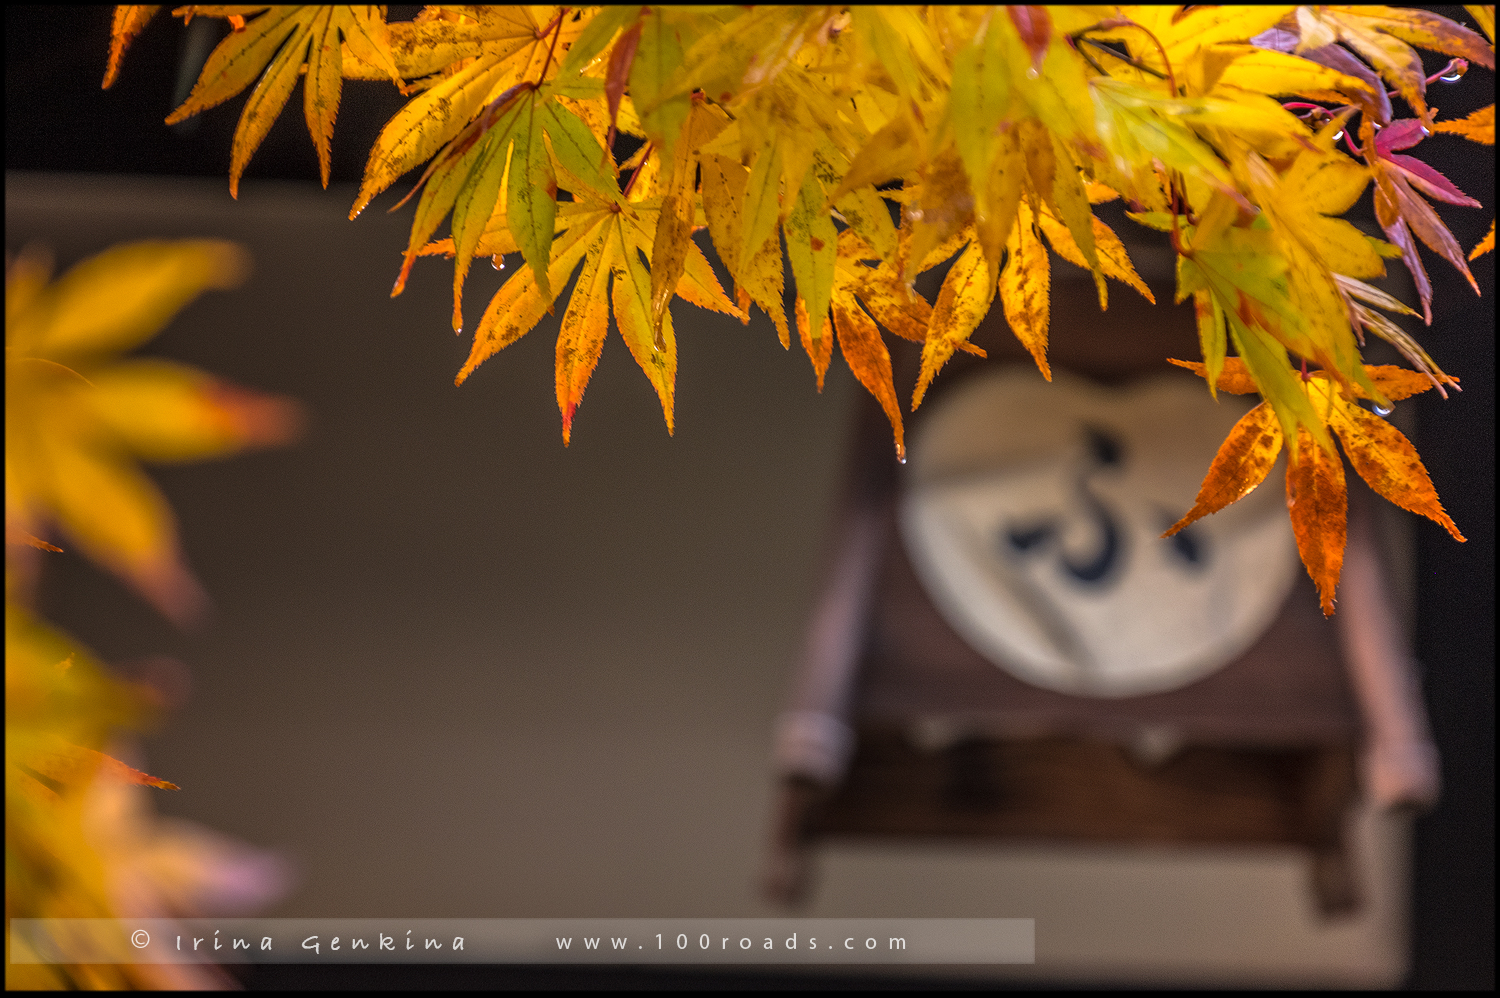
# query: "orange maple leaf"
1317 499
68 765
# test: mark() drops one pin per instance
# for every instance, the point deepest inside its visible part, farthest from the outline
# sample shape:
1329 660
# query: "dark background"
57 119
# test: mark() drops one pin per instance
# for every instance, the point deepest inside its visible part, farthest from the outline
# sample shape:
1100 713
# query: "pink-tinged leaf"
1279 38
1376 103
1401 134
1035 28
1432 183
1388 213
1400 234
1430 229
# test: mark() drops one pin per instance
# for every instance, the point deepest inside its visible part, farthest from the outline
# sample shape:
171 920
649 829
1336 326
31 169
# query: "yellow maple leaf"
77 418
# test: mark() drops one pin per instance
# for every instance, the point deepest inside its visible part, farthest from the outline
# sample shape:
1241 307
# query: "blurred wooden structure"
897 727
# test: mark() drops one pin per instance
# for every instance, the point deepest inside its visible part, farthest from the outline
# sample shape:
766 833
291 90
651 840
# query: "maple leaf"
993 131
1477 127
759 273
277 44
1239 281
61 706
128 21
1484 245
861 291
76 416
68 765
80 837
867 356
514 47
1359 297
1384 36
1316 496
609 240
1025 290
1401 212
674 228
1320 182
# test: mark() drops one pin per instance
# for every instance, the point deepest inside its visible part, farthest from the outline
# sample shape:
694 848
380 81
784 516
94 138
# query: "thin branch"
1128 60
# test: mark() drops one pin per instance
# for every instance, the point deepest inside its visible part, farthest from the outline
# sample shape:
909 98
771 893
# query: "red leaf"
1396 230
109 765
1429 228
1402 134
621 58
73 765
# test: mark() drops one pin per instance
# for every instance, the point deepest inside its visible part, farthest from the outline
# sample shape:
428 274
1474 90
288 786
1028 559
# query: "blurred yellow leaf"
77 418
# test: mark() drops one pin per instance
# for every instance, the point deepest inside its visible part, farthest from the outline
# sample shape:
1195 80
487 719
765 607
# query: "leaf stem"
1086 57
1171 78
650 146
556 28
1128 60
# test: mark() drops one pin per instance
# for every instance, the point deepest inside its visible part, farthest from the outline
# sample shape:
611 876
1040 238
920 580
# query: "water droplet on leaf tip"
1382 411
1338 135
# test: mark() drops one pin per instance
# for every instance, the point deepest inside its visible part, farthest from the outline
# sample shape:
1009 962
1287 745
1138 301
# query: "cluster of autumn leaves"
861 146
78 418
